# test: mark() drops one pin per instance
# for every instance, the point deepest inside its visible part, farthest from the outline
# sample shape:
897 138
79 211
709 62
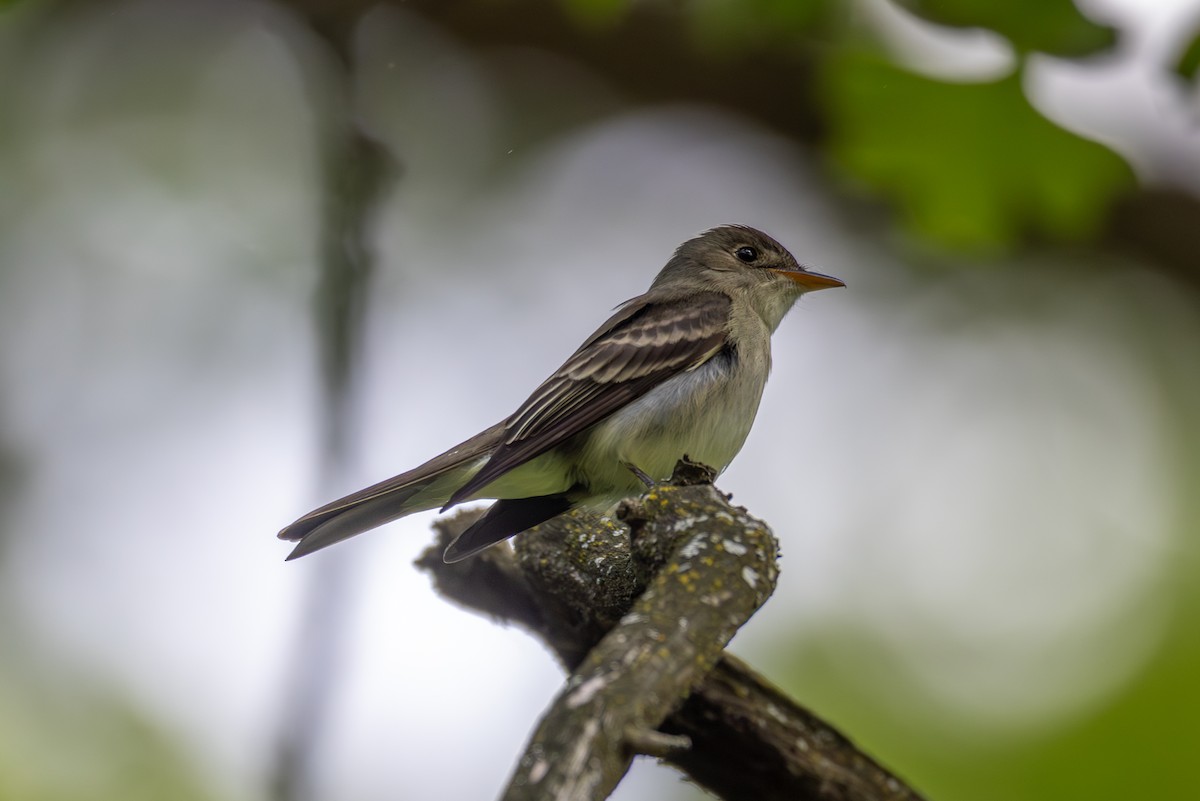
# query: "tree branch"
696 569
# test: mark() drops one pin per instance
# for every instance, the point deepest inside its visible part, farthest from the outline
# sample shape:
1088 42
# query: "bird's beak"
811 281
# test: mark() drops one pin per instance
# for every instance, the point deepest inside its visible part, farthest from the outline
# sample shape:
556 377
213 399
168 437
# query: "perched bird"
677 371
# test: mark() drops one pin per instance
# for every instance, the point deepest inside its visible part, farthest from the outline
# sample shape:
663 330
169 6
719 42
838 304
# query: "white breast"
704 414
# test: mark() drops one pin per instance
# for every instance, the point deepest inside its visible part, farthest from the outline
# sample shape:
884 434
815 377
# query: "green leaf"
970 166
1189 61
1048 26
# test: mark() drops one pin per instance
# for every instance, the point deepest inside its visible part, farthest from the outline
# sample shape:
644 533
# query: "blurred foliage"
1048 26
972 166
727 27
65 738
1189 60
719 25
969 166
975 166
596 13
1138 745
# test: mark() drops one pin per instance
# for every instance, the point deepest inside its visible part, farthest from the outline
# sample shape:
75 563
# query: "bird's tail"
503 519
426 487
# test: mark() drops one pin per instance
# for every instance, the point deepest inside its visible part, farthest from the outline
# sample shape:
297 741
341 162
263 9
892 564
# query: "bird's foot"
641 475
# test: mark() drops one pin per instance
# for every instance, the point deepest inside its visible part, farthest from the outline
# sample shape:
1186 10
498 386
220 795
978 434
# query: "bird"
675 372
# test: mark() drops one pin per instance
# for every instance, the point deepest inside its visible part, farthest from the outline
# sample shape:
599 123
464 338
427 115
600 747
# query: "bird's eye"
747 254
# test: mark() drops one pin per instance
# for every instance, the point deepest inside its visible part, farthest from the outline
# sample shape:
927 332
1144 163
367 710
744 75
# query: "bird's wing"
642 345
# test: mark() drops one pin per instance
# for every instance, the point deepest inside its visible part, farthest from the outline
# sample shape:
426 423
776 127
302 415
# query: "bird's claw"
641 475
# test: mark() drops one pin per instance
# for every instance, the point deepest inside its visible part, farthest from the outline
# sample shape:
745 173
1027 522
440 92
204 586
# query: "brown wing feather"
641 346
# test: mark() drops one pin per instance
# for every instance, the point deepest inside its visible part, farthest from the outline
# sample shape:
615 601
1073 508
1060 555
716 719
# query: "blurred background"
257 254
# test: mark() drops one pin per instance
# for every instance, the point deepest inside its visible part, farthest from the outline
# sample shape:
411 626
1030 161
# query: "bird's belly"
702 414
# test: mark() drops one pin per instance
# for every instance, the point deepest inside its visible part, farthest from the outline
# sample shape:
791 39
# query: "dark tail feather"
504 519
320 529
413 491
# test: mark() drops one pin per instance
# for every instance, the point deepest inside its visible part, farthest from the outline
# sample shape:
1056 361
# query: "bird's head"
740 260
